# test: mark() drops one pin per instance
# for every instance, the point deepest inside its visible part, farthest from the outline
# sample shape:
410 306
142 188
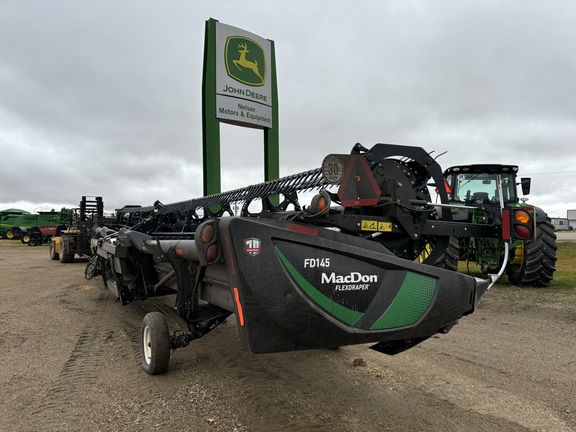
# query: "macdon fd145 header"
364 262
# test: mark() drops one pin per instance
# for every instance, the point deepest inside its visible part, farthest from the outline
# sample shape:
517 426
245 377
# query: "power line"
550 173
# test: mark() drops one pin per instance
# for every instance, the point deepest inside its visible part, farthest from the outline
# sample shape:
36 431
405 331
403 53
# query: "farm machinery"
74 238
32 229
474 190
366 261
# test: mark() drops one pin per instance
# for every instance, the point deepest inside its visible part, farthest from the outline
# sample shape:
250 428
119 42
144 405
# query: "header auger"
363 262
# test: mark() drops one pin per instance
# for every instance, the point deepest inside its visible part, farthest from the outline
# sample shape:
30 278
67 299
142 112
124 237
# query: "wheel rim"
146 345
427 250
518 259
10 235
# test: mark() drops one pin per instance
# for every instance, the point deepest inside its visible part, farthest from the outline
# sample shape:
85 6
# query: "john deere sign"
243 90
238 87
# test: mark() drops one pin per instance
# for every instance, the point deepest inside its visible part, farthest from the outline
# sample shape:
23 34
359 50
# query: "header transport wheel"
155 343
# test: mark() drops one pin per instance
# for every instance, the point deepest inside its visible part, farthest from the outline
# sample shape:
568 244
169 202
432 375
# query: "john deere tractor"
474 192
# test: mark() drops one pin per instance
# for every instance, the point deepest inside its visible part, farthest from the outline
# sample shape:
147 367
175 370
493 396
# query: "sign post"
239 88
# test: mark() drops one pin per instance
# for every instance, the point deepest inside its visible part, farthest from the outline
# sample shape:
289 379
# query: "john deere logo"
245 61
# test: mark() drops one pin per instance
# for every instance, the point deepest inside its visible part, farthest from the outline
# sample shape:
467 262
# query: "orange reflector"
447 186
522 216
207 233
239 307
321 206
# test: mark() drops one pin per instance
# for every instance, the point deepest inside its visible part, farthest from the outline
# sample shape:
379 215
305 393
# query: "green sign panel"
239 88
245 61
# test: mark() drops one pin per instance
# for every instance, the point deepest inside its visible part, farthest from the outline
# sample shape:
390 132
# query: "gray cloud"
105 98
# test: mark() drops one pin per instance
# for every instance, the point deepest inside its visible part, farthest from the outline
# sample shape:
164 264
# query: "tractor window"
481 188
509 187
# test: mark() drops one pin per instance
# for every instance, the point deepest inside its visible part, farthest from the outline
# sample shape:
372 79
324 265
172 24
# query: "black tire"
54 255
449 259
155 343
64 257
548 236
25 238
13 234
533 263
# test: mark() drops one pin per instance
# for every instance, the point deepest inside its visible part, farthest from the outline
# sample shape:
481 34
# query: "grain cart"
474 188
74 239
362 263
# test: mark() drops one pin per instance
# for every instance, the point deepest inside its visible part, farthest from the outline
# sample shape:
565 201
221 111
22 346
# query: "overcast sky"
104 97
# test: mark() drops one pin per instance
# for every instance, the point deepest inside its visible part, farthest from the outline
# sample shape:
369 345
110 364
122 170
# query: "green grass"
564 277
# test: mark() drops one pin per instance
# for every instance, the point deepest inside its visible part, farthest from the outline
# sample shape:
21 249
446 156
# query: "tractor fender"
541 215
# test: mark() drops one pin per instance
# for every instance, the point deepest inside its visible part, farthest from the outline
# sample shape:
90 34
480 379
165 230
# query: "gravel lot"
70 361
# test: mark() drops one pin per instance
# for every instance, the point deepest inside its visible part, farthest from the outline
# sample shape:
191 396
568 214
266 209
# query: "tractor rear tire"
549 258
534 261
449 259
155 343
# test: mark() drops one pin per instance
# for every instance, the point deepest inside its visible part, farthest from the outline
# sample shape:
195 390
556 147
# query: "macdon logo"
252 246
353 277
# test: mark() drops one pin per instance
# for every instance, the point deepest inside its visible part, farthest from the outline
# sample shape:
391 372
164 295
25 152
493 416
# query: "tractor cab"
472 187
477 185
475 194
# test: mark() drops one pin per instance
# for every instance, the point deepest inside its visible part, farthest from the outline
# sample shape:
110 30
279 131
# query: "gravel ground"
71 361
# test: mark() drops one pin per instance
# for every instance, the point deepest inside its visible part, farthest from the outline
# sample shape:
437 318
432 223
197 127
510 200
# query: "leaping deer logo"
243 62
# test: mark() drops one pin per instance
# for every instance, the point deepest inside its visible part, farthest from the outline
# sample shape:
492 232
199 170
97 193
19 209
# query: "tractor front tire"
155 343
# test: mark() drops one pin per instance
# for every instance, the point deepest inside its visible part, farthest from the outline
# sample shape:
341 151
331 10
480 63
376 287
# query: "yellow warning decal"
372 225
385 226
369 225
